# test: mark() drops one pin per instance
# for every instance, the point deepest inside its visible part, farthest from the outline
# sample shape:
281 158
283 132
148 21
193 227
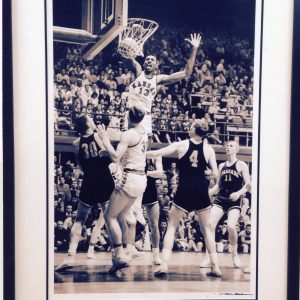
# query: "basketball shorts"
132 185
192 194
227 204
150 194
147 124
96 191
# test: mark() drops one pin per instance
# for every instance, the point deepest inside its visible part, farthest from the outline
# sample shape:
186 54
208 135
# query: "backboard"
96 24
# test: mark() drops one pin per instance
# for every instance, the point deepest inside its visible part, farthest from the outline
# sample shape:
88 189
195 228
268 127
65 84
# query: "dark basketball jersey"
230 180
193 163
192 192
93 165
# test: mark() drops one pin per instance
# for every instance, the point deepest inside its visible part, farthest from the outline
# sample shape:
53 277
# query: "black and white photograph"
154 110
150 149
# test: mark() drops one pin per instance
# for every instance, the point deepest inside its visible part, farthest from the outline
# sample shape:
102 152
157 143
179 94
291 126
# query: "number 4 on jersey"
194 158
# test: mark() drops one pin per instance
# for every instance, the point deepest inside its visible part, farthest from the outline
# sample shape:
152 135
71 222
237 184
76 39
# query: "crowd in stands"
188 237
219 91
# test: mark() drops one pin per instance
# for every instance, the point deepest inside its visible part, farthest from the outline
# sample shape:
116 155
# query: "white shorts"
131 185
147 124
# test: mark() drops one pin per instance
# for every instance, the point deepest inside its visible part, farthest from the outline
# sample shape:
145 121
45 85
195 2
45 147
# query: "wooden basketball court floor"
185 276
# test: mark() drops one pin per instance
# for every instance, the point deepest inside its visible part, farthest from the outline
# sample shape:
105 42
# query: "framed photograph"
198 73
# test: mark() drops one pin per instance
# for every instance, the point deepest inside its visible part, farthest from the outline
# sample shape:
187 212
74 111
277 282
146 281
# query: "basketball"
128 47
137 30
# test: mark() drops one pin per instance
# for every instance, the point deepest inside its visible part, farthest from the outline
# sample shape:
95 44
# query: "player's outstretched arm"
159 172
168 79
75 146
214 190
136 65
173 148
210 155
121 148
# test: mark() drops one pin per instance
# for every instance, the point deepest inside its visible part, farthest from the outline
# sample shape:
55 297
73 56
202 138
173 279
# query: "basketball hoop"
134 35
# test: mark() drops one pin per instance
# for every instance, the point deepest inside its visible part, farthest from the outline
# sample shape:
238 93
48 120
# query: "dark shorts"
150 194
93 192
192 195
227 204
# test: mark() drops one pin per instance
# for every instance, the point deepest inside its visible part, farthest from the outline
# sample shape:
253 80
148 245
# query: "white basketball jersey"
142 91
135 156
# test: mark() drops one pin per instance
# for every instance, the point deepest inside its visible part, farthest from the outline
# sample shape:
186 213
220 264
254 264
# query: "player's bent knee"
209 226
231 227
83 211
130 218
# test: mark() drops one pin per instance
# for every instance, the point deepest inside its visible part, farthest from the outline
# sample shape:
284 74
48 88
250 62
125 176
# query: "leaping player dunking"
144 88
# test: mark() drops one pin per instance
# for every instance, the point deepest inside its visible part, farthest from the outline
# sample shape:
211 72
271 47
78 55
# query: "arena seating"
221 85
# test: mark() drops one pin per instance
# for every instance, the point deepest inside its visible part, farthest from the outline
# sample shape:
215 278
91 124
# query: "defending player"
97 184
233 183
154 170
197 161
132 152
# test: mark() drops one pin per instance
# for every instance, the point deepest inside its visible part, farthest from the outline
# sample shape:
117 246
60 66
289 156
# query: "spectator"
63 190
58 211
173 178
69 221
61 237
222 238
245 239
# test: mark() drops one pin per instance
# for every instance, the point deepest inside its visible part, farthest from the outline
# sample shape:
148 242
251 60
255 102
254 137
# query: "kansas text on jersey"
142 91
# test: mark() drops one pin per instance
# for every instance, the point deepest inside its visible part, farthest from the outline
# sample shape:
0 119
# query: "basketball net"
134 35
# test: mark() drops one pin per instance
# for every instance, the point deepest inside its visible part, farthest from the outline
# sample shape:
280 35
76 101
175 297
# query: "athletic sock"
166 253
91 247
118 250
214 258
75 237
129 247
155 251
96 232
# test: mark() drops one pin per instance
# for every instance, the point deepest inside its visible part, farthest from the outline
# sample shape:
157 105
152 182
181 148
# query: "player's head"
136 114
198 128
82 123
60 225
248 228
232 147
150 64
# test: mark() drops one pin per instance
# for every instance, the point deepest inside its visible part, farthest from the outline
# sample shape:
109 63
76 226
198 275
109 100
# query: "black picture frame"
294 193
8 157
